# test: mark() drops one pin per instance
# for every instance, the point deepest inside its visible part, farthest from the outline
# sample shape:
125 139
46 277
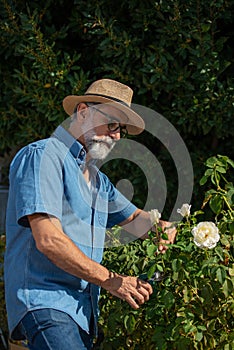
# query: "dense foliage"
192 307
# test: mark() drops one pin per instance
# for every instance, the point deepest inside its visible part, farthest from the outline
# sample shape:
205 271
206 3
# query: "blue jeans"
49 329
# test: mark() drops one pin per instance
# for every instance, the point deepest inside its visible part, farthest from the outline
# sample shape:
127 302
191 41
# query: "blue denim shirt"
46 177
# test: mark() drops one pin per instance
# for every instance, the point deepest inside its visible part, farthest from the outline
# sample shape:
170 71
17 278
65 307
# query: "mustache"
103 139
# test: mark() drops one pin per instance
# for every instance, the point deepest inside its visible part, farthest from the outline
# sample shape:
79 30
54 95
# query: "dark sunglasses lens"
123 131
113 126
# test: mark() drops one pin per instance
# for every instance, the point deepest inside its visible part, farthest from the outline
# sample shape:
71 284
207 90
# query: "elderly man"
59 207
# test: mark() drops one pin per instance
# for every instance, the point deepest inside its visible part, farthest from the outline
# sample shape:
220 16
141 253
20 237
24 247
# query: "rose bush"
192 306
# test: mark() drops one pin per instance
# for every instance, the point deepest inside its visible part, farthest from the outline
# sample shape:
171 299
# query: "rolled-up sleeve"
119 207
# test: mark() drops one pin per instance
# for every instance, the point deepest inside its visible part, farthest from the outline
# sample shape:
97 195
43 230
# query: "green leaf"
231 270
159 267
123 257
211 324
220 252
231 162
164 236
175 266
129 323
221 275
203 180
215 179
227 347
199 336
231 227
168 299
227 287
151 271
206 294
216 203
220 169
211 162
205 27
189 328
151 250
186 296
208 172
159 337
230 195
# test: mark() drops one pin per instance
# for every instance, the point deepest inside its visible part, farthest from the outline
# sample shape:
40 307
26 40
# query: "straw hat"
114 93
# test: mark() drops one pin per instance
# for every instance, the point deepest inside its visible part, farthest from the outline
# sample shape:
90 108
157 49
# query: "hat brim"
135 124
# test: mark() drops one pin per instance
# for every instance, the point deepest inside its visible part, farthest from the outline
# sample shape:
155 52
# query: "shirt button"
82 167
82 153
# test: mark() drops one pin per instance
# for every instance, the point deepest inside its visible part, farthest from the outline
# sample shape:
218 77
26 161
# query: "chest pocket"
101 207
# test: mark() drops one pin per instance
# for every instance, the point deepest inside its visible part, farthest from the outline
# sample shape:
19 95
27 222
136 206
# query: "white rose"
154 216
206 234
184 210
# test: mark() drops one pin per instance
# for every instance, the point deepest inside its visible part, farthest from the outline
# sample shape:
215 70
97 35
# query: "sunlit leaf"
216 203
203 180
198 336
151 250
151 271
220 169
211 162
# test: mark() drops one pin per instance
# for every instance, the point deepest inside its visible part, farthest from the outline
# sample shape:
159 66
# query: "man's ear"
82 109
82 113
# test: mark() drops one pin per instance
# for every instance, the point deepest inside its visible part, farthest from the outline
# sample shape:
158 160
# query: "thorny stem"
158 241
229 207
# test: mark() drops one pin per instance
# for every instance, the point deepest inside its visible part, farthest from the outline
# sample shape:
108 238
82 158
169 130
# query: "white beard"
98 147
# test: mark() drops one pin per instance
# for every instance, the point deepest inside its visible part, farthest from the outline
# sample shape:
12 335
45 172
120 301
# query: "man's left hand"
169 229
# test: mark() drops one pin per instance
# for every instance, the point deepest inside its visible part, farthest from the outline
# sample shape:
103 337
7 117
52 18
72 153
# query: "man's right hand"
131 289
61 250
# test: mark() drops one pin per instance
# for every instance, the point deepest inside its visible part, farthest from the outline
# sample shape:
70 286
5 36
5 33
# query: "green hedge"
178 57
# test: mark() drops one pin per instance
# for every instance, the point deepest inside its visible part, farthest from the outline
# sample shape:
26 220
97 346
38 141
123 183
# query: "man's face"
102 129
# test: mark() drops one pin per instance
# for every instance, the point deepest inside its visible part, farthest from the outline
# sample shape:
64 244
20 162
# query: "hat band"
110 97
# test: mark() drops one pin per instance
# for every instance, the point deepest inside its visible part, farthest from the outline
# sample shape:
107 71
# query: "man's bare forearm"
58 248
138 224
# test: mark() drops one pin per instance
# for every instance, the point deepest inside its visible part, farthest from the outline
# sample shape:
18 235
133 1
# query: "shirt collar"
75 147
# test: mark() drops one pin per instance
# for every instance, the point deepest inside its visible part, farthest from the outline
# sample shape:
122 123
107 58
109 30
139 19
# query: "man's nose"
115 135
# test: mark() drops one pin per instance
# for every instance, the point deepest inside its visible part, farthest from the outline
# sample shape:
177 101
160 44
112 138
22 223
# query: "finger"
162 248
140 296
145 285
130 300
145 294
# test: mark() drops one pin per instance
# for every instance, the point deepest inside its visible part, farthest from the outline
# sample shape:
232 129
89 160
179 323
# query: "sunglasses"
113 125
